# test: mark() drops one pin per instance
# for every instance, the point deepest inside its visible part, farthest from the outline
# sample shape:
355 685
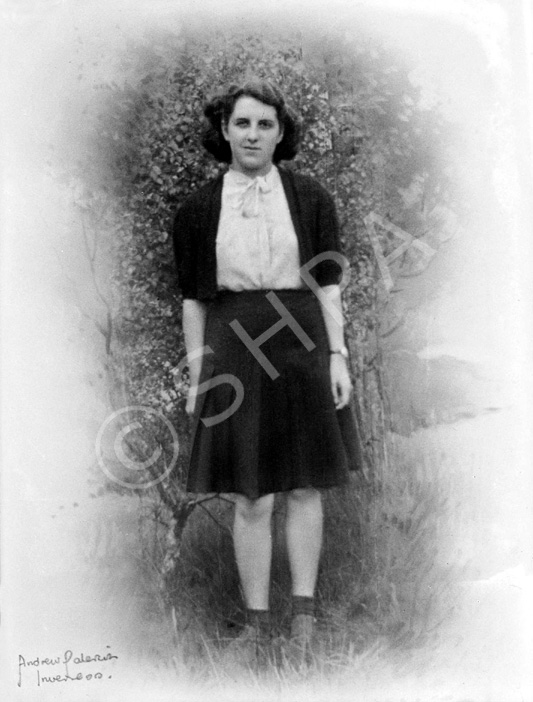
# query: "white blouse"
257 247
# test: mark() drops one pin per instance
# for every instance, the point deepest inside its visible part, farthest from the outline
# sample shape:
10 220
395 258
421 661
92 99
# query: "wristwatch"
343 351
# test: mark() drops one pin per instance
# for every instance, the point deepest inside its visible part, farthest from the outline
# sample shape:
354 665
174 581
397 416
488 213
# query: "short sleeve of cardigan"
185 251
327 271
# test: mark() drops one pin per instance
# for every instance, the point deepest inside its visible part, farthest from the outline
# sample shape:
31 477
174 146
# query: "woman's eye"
262 124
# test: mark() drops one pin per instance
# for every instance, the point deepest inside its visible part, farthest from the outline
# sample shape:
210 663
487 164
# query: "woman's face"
253 132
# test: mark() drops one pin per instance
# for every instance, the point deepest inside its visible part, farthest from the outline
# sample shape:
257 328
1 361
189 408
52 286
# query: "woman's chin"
252 161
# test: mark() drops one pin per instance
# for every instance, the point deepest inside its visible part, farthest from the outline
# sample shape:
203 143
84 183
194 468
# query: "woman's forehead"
247 106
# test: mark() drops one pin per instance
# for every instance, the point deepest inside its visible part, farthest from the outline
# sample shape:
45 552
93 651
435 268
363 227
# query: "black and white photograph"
266 351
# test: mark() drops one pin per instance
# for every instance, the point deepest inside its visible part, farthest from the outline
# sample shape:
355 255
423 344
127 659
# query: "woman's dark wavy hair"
220 108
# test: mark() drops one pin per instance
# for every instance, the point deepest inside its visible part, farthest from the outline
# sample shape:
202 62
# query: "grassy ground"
418 588
380 585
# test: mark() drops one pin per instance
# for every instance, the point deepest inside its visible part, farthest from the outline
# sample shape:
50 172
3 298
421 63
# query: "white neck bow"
246 196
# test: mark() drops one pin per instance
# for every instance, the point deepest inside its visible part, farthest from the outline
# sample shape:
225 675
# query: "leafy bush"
370 144
365 140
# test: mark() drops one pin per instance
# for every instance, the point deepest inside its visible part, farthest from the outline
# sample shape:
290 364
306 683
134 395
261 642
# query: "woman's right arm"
194 313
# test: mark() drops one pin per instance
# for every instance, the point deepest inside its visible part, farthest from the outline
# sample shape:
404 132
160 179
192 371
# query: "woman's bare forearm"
333 317
194 313
331 306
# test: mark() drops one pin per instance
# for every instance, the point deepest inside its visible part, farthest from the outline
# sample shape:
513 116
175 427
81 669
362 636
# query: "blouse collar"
244 193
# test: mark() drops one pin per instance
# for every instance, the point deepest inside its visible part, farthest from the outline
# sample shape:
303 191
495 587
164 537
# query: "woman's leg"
252 538
304 543
304 538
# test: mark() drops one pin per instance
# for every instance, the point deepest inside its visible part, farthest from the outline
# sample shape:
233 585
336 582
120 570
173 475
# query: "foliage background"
369 141
442 486
365 140
382 150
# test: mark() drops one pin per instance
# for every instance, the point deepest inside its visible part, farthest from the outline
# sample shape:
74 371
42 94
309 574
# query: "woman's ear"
280 135
224 130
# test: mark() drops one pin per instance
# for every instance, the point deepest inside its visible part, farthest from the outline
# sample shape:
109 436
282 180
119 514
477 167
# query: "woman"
270 386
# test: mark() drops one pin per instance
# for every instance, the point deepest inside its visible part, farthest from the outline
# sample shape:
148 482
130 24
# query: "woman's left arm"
331 305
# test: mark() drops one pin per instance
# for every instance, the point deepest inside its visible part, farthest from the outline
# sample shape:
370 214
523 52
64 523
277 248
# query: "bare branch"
392 329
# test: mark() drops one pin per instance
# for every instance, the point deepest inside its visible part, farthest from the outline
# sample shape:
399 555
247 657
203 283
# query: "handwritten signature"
66 671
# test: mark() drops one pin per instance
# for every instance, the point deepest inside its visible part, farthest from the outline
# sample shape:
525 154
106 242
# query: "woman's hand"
341 385
194 314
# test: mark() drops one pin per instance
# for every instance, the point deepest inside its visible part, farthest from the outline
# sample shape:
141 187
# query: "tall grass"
380 583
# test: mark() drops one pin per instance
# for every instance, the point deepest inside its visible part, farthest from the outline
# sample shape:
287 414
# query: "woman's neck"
261 174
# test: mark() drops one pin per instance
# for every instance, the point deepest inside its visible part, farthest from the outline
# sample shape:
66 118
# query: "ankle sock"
303 605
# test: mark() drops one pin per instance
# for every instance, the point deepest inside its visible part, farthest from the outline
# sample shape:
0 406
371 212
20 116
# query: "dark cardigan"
196 224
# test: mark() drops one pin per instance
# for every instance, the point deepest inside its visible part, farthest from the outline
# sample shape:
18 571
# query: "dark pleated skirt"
265 421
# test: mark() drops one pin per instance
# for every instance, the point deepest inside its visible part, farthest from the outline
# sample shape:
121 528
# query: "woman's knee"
254 510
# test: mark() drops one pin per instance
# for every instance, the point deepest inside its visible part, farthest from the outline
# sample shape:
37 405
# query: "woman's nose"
252 133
